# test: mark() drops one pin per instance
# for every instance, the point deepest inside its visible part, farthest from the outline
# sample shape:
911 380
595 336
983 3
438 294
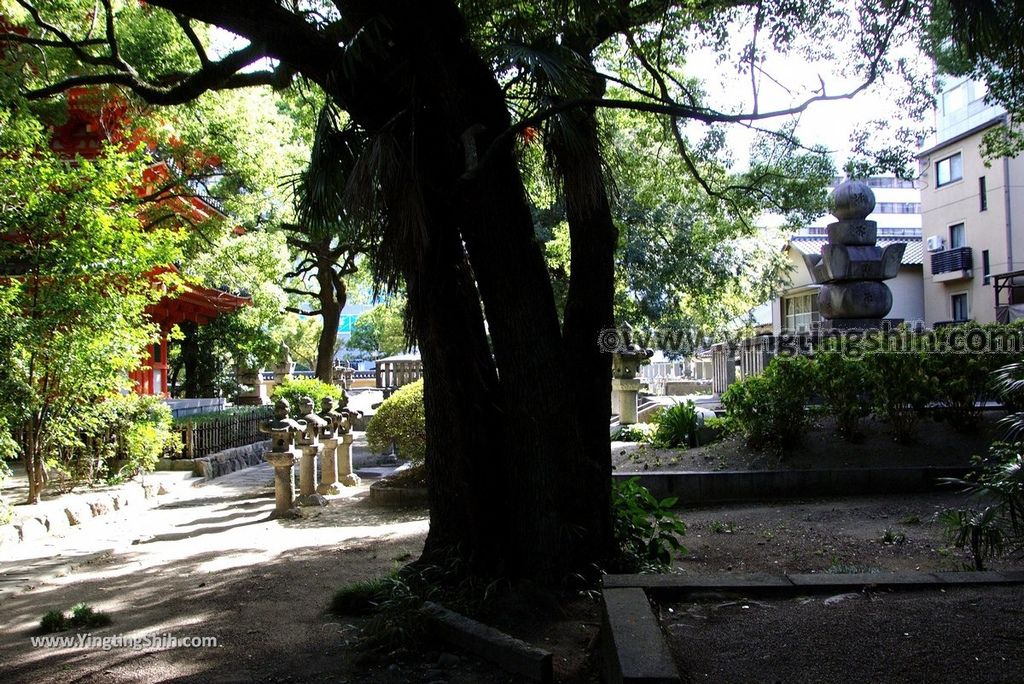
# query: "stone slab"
676 586
698 488
838 582
507 652
973 577
634 647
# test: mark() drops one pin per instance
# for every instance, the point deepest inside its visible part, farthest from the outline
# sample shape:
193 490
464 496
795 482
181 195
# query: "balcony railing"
951 260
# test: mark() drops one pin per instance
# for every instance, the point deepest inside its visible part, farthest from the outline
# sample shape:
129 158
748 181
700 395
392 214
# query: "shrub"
676 425
769 408
638 432
296 388
400 421
82 615
116 439
901 388
964 380
845 384
646 529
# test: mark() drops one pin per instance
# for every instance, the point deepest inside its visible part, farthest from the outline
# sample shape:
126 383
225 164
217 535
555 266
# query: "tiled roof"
913 255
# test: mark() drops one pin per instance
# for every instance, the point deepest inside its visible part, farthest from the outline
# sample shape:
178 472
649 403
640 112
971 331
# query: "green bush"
646 530
769 408
676 425
638 432
400 421
82 615
296 388
115 439
844 383
964 380
901 388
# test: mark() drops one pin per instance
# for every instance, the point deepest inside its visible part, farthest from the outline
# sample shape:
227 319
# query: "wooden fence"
208 434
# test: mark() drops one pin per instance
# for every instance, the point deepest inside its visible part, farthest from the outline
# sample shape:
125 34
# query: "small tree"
78 282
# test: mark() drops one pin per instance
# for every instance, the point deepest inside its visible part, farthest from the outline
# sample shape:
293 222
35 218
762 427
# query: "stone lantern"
283 431
625 381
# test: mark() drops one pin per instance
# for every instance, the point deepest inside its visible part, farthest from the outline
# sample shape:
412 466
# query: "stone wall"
221 463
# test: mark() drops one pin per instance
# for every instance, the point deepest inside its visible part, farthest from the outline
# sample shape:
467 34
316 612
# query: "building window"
800 312
958 307
949 170
157 350
986 271
982 194
957 236
954 99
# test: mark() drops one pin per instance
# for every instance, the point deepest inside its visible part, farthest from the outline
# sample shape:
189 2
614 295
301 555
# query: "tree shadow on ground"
268 618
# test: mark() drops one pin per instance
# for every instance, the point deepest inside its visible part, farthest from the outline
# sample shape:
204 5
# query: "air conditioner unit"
936 243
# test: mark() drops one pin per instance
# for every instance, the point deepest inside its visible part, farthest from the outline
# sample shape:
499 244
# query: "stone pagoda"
851 268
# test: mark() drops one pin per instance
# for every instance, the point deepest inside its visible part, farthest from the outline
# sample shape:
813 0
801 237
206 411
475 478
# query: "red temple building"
94 120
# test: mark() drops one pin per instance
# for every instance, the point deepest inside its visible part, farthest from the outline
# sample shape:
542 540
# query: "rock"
99 507
162 490
839 598
77 513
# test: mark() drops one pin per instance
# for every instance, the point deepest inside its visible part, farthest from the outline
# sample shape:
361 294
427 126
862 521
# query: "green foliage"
380 331
82 615
116 439
646 530
361 597
53 621
74 317
220 416
400 420
639 432
901 388
676 425
998 526
964 380
844 383
769 408
296 388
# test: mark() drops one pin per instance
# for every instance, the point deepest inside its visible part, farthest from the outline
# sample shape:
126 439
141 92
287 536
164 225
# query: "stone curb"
220 463
398 496
511 654
634 648
77 510
632 643
699 488
672 586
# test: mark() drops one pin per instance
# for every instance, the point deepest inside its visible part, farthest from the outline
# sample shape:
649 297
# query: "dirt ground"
870 534
936 444
927 635
211 564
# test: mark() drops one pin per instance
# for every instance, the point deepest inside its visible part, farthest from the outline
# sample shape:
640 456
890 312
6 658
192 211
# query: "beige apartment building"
972 216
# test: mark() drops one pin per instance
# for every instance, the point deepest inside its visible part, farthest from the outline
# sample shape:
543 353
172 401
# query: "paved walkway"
207 561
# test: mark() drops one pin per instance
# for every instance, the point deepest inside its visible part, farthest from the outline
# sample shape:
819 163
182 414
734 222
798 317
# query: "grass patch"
82 615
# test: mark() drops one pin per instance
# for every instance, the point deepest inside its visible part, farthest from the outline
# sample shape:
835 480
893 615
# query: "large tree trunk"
550 523
332 301
590 299
510 489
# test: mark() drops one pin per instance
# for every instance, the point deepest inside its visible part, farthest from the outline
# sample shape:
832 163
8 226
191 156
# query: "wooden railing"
395 373
207 434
